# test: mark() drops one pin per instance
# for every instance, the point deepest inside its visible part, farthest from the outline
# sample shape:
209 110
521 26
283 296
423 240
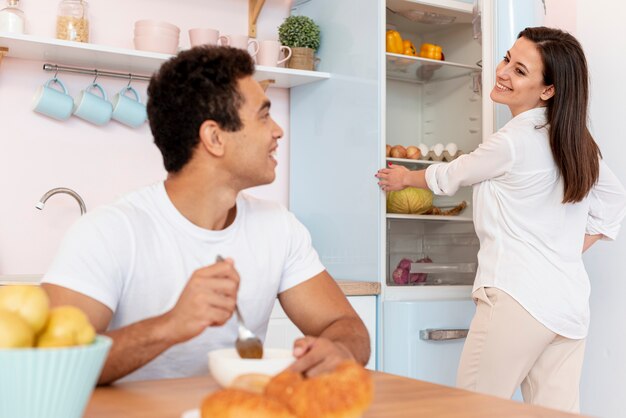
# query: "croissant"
345 393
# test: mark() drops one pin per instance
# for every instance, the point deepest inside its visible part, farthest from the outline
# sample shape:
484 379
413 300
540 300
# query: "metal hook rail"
96 73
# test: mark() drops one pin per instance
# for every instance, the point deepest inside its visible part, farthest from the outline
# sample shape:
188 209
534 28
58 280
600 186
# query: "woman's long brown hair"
575 152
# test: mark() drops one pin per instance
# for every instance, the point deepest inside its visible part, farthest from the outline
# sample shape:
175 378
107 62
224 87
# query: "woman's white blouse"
531 243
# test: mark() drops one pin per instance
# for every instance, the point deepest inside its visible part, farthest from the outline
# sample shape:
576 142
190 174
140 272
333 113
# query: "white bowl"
148 22
225 365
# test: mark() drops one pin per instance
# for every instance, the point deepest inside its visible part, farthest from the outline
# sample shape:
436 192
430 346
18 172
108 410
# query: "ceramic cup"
206 36
127 110
91 107
269 53
244 42
51 102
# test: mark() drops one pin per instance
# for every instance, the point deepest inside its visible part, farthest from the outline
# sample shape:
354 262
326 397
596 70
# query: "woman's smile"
501 87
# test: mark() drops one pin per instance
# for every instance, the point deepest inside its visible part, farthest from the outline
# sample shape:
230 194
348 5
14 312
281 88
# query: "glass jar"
12 18
73 21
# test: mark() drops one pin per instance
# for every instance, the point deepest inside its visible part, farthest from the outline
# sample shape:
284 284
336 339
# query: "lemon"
67 325
28 301
15 331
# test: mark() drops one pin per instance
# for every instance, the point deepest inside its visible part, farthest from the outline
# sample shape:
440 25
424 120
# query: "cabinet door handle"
443 334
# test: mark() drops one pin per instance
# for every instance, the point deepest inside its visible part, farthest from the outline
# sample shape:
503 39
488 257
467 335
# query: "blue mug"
129 111
51 102
91 107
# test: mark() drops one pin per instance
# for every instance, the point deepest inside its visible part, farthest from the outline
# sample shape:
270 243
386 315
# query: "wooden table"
394 397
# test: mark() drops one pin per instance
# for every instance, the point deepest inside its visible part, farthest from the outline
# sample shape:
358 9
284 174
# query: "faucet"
42 202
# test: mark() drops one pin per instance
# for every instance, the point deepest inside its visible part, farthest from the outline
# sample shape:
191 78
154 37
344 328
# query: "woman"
542 196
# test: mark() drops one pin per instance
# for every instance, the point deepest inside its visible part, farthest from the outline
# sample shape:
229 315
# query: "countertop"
394 396
349 287
359 288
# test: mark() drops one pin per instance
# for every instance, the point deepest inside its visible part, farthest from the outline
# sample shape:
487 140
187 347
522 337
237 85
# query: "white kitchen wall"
597 26
100 163
600 29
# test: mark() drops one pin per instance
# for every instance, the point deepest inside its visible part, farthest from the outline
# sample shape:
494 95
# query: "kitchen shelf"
39 48
423 70
457 218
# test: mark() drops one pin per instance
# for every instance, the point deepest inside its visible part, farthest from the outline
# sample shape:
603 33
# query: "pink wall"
561 14
100 163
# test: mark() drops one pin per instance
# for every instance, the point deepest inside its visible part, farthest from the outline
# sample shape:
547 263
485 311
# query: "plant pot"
301 59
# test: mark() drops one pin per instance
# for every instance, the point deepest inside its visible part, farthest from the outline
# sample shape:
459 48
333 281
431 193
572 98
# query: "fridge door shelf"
423 70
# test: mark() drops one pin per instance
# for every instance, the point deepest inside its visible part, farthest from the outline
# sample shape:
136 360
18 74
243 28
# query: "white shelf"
416 162
457 218
461 11
443 268
55 51
423 70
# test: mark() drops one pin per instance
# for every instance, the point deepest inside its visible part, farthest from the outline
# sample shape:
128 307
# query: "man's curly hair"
197 85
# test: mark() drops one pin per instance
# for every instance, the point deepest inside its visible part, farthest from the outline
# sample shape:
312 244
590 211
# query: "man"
144 270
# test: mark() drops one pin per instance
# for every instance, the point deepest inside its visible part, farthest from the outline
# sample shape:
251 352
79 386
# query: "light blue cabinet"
411 352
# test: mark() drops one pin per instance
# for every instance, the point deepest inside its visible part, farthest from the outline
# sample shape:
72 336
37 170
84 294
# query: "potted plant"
302 35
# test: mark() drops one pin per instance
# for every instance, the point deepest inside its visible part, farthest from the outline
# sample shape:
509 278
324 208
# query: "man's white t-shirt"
136 256
530 243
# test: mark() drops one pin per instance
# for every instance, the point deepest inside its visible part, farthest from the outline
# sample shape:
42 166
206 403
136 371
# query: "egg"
452 148
423 149
437 149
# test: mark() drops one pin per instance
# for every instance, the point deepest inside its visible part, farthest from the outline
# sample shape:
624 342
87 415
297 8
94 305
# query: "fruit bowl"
50 382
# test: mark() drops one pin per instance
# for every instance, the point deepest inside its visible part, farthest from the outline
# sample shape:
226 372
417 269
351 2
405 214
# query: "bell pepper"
430 51
408 48
394 42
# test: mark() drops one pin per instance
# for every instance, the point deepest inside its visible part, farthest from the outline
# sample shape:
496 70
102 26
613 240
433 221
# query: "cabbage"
410 201
400 276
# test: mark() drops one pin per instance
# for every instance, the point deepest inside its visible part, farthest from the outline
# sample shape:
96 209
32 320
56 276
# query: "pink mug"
269 53
244 42
207 36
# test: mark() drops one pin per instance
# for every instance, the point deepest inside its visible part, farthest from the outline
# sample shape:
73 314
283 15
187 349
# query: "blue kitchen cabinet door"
405 354
335 141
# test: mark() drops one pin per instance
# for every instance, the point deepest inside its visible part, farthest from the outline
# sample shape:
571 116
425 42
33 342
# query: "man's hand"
315 356
208 299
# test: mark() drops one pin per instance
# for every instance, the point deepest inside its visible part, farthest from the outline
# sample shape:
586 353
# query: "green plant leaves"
299 32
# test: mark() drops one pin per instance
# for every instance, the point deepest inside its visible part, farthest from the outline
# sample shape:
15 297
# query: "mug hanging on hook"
129 110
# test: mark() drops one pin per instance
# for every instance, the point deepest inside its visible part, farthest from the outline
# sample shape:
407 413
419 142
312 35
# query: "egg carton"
444 156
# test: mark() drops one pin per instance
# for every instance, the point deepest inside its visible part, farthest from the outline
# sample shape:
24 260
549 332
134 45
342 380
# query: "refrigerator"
338 140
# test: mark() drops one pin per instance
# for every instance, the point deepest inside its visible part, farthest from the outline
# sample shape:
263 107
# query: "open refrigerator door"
431 261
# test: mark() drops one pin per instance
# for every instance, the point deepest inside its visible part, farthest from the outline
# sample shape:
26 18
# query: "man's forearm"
352 334
134 346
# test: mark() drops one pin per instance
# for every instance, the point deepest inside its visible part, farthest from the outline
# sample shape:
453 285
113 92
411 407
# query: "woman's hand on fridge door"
397 177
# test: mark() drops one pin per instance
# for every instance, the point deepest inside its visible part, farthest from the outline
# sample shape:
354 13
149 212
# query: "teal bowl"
50 382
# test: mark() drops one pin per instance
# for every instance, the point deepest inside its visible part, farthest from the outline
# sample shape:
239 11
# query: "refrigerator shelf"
408 161
423 70
443 268
456 218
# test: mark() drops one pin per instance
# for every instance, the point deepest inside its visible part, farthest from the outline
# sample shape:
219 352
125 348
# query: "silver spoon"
248 345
